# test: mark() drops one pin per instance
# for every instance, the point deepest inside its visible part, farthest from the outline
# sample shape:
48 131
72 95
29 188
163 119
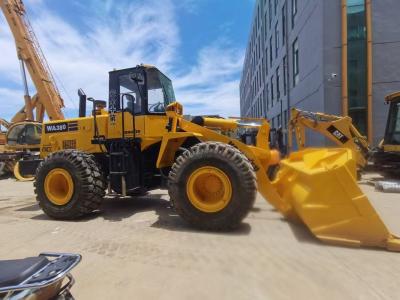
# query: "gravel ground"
140 249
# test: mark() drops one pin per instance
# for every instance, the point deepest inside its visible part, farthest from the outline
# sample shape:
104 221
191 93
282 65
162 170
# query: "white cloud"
9 103
212 86
9 66
140 34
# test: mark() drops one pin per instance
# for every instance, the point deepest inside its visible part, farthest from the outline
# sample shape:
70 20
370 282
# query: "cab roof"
392 97
142 66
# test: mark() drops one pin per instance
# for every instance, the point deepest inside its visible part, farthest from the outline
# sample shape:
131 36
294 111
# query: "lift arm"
47 98
340 130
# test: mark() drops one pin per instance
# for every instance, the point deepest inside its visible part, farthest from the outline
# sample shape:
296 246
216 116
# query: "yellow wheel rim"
209 189
59 186
19 176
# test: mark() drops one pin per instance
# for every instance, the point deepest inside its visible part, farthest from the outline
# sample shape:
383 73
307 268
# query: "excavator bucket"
319 188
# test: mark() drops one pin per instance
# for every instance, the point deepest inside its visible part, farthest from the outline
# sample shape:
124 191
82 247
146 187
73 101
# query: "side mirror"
137 77
129 98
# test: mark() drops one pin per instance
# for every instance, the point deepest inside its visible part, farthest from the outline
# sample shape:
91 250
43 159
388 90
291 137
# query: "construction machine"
142 142
387 154
4 125
21 139
341 131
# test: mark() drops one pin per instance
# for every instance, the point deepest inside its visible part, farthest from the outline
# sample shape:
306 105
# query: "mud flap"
319 188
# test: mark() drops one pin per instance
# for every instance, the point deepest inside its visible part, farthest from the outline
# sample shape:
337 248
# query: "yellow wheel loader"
210 166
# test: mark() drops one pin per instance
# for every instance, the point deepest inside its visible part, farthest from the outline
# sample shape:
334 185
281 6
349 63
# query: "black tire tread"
92 189
246 174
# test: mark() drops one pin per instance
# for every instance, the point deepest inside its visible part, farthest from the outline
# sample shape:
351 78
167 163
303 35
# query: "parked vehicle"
44 277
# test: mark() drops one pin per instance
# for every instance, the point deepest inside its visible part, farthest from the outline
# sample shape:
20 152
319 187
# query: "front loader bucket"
319 188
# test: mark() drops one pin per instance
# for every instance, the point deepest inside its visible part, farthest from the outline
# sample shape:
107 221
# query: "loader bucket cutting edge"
319 188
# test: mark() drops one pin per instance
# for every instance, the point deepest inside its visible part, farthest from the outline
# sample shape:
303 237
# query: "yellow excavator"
22 138
211 169
341 131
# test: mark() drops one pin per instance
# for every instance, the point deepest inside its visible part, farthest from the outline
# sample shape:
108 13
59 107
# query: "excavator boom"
339 130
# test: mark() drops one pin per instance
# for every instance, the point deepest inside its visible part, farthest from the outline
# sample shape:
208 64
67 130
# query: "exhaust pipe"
82 103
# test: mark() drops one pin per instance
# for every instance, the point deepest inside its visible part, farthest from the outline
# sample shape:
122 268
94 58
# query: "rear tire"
86 181
229 163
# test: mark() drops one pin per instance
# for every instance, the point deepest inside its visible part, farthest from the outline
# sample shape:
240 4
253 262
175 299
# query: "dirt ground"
139 249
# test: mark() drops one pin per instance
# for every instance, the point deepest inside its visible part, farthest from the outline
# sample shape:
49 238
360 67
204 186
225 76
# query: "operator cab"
392 135
151 91
24 134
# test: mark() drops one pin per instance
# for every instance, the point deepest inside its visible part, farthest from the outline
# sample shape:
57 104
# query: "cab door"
122 84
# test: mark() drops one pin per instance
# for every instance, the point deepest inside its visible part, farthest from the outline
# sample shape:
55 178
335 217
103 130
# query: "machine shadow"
117 209
32 207
304 235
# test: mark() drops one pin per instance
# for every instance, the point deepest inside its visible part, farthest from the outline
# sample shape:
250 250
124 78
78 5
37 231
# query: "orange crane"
22 138
47 98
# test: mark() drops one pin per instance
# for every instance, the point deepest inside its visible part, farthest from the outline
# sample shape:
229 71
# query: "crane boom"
47 98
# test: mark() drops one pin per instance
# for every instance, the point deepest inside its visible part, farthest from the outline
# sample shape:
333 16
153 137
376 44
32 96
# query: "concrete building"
334 56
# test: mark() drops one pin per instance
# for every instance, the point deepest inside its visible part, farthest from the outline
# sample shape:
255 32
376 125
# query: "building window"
270 12
278 90
294 11
357 64
276 39
283 24
284 75
270 51
262 103
272 91
285 118
263 70
295 57
265 25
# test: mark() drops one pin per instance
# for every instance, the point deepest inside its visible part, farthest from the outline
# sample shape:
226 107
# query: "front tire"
69 185
212 186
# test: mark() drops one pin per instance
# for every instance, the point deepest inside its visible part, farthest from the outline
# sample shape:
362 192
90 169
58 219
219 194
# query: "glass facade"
357 64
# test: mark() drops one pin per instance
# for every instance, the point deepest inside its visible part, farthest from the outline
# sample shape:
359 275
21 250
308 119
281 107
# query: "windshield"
160 91
24 134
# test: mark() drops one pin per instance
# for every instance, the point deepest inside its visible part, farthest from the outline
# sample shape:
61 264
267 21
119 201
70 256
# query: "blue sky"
200 44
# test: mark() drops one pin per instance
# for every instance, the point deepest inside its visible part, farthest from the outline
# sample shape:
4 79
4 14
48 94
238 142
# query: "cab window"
128 86
15 135
160 91
28 134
